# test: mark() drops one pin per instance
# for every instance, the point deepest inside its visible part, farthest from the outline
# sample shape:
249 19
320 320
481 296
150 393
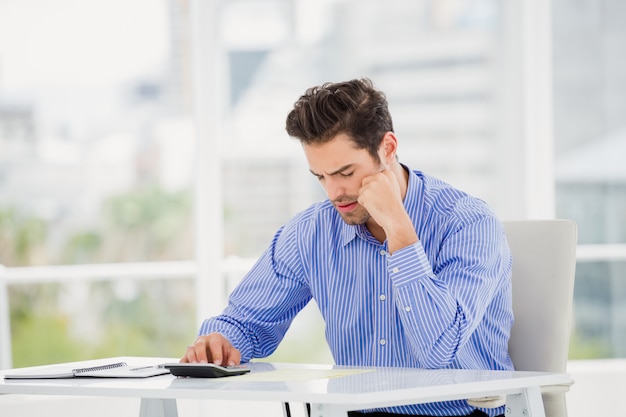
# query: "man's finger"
234 357
215 348
189 356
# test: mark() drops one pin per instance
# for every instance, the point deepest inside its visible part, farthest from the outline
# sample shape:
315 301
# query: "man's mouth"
346 208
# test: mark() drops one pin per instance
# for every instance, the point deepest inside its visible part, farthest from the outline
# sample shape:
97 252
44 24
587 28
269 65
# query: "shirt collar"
349 232
413 196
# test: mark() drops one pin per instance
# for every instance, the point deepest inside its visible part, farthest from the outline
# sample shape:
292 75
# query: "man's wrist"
402 235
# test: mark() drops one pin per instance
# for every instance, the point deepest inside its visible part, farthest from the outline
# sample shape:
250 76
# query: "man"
406 270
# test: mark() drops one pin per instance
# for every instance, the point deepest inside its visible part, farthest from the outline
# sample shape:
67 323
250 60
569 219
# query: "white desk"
329 395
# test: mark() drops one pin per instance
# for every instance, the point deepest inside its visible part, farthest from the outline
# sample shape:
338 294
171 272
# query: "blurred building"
438 64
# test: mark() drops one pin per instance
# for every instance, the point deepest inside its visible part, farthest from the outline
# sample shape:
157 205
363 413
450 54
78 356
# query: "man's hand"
381 196
213 348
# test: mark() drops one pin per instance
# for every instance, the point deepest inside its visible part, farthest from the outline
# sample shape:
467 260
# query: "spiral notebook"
112 370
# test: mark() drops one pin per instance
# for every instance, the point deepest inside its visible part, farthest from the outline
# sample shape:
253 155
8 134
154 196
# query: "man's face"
340 167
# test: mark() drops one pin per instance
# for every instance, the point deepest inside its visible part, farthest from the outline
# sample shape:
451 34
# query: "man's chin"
354 219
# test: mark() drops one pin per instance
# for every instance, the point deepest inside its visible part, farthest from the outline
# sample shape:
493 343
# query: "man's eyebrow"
340 170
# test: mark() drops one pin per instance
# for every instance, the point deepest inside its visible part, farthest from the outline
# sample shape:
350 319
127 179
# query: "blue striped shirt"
443 302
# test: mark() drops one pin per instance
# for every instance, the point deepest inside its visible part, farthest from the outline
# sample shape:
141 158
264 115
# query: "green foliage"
146 224
22 237
81 247
156 318
38 329
55 323
42 339
581 348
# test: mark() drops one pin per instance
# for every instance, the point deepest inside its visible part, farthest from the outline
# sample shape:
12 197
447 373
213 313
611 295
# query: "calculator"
204 370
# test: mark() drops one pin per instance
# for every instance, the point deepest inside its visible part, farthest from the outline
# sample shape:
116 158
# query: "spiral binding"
99 368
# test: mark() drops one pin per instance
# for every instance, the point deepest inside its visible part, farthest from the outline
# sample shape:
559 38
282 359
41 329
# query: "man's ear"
388 148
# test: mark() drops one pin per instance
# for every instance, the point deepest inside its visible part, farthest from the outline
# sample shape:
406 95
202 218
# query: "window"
590 140
96 167
144 163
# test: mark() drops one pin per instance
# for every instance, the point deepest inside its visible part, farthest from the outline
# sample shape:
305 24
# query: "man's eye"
347 174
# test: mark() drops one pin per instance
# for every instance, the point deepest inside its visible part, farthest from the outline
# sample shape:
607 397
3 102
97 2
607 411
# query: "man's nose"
334 189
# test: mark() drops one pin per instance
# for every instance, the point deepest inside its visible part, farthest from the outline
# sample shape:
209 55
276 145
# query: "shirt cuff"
409 264
231 332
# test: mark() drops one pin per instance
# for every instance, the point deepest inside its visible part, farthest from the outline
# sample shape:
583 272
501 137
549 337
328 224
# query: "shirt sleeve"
442 300
263 305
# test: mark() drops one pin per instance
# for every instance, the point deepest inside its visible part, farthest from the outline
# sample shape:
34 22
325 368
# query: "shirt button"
382 297
407 309
383 252
395 270
382 342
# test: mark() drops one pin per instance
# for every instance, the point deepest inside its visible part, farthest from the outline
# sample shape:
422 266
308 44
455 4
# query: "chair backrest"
544 264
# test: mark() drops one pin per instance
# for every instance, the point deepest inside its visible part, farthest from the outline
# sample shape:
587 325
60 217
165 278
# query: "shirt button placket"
382 342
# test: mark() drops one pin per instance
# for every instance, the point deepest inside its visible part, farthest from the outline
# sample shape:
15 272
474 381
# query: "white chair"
544 263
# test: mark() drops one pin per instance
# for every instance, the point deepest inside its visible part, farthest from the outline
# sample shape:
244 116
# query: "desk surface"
362 387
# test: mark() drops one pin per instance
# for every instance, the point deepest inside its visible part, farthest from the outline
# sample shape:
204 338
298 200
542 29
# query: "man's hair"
351 107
